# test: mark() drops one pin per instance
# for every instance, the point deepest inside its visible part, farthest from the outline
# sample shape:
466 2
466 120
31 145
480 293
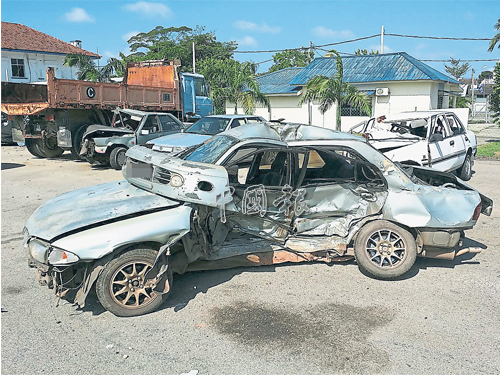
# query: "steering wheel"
399 128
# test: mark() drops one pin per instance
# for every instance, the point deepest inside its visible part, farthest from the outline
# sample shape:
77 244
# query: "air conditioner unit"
382 91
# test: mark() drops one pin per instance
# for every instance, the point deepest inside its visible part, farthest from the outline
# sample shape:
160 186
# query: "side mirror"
437 137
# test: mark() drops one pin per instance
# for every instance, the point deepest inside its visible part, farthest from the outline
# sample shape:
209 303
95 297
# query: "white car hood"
182 140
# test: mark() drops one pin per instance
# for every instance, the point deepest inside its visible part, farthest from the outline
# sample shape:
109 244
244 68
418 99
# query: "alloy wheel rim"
386 249
127 285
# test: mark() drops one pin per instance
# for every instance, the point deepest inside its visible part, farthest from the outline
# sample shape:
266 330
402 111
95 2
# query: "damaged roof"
17 37
287 132
397 66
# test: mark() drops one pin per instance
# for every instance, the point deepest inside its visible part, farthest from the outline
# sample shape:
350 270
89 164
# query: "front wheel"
465 171
49 148
120 287
33 148
385 250
117 158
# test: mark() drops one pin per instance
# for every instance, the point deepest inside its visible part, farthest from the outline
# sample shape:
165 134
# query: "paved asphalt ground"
441 318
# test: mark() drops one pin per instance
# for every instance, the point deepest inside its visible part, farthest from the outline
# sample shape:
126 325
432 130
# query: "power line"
461 60
434 37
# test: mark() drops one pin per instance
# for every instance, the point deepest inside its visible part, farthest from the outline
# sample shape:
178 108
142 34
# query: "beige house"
393 82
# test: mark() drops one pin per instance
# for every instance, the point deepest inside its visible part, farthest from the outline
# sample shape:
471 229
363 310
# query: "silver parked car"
200 131
259 194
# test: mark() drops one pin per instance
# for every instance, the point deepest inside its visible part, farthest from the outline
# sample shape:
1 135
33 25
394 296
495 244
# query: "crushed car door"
334 190
258 178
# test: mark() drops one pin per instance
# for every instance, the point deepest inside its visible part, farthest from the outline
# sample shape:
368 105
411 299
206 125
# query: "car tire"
385 250
118 287
117 158
465 171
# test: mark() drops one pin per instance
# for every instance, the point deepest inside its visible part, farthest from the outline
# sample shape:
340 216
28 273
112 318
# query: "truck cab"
196 102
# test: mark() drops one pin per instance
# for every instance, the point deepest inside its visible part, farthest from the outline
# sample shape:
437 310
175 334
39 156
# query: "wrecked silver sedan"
260 194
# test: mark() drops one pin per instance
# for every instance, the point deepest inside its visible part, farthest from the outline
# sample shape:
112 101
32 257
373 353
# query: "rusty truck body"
53 116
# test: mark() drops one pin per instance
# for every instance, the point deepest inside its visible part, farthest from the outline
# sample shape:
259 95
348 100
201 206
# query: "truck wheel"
120 285
465 171
77 142
385 250
117 158
32 147
49 148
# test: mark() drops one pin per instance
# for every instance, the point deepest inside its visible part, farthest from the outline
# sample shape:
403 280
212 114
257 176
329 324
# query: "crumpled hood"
105 131
183 140
83 207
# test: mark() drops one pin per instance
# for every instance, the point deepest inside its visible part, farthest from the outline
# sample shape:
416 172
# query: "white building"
27 53
393 82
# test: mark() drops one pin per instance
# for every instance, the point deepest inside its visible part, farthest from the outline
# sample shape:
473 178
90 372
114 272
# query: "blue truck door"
188 95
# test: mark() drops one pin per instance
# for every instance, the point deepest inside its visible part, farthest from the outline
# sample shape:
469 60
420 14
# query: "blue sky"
273 24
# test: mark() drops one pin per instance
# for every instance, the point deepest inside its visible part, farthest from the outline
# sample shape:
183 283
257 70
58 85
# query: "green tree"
333 90
456 69
496 38
177 43
495 95
360 51
485 74
89 71
233 81
291 58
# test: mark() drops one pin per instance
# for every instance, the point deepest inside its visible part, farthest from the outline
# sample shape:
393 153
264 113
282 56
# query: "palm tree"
88 71
334 90
496 38
243 88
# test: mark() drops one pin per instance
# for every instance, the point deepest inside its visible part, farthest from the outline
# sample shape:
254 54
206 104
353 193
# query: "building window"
17 68
352 111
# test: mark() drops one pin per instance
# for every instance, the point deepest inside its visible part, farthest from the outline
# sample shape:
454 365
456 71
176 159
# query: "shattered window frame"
356 160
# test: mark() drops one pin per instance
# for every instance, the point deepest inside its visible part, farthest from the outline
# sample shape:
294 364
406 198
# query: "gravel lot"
442 318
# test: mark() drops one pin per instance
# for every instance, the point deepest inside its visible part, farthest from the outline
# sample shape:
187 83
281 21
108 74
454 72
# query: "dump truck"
52 117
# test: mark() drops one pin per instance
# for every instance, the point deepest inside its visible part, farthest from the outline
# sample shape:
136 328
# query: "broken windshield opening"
127 121
416 127
211 150
209 126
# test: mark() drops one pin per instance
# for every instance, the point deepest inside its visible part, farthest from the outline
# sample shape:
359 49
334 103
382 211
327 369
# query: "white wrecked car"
437 139
257 195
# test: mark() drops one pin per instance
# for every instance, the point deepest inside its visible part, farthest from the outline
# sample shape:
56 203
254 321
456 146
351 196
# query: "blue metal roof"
279 82
372 68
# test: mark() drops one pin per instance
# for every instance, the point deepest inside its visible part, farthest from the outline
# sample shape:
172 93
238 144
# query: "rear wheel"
49 148
77 142
120 287
117 158
465 171
32 147
385 250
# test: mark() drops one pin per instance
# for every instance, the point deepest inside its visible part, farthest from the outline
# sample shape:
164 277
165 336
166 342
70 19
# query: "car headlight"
59 257
26 237
176 180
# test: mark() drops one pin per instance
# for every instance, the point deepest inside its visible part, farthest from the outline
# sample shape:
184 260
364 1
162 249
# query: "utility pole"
472 93
382 40
194 63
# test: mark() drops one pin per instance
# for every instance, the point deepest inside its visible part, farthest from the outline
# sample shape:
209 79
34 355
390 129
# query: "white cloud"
108 54
129 35
247 41
378 47
470 16
149 9
262 28
323 32
78 15
420 46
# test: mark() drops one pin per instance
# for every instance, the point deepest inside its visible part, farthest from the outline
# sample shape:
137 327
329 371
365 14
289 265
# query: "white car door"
442 145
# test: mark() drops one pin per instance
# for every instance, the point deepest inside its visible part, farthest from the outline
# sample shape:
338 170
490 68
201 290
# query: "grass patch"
489 150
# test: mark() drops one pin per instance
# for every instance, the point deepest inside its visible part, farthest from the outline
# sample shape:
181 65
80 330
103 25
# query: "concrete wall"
35 66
